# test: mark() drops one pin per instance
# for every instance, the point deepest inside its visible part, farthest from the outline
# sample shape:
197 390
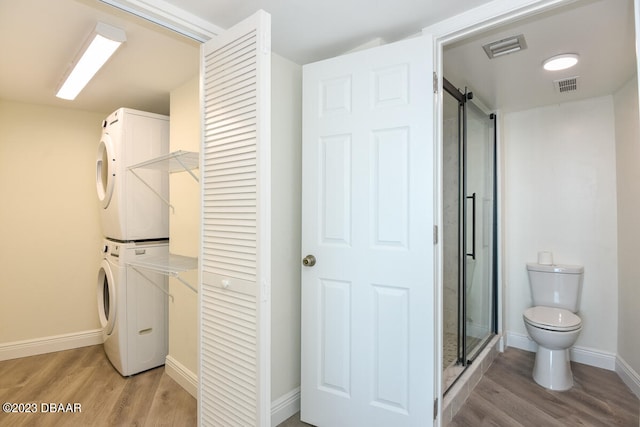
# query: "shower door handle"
473 226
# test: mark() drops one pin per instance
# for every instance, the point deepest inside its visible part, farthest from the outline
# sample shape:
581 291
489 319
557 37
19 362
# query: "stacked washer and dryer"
132 302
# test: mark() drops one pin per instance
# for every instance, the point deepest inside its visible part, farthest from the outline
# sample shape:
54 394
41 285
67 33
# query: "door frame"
482 18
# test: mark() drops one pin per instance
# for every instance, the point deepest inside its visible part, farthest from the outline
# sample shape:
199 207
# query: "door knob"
309 261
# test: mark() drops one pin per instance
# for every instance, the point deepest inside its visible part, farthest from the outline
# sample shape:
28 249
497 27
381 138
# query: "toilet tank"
556 285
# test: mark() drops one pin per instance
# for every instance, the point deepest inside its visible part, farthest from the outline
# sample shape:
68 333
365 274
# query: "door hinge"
435 234
435 409
435 82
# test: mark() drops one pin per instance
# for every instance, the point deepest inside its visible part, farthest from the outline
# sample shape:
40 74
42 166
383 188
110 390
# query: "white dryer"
132 207
132 307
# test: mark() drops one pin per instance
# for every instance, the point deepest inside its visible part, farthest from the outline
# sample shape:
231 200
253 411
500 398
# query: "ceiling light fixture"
97 49
560 62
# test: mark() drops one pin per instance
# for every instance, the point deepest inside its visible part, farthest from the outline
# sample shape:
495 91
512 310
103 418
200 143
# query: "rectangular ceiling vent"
505 46
566 85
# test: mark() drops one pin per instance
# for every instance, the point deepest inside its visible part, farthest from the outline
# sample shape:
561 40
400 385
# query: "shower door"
451 226
480 236
469 309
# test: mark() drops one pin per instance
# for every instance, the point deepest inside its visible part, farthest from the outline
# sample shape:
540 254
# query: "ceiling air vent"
505 46
566 85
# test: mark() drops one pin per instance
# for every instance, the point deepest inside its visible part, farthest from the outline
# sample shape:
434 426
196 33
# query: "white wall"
184 232
628 174
49 225
286 182
560 195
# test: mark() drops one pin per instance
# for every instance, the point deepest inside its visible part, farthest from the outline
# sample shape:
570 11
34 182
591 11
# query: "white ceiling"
309 30
38 38
601 32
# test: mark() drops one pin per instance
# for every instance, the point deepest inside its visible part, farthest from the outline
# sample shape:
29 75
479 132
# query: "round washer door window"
105 171
106 298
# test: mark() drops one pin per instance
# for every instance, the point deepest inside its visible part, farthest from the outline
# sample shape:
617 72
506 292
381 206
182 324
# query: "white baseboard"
586 355
33 347
593 357
285 406
523 342
502 343
629 376
183 376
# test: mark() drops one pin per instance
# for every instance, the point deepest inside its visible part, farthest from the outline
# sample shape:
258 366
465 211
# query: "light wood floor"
508 396
85 376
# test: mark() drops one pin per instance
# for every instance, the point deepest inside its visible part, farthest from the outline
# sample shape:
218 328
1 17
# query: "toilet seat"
553 319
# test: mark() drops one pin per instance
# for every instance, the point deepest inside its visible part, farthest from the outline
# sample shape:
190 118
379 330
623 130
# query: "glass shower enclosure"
469 231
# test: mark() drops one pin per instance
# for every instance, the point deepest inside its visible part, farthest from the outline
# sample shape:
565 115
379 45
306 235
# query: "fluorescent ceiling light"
102 43
560 62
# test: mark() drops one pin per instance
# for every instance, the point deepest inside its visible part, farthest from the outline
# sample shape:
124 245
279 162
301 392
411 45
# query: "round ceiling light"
560 62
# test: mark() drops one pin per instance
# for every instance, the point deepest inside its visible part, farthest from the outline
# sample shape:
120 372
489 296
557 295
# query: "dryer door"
105 170
106 297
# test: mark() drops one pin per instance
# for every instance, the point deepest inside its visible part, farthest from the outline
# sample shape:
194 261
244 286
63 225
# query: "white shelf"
176 161
169 265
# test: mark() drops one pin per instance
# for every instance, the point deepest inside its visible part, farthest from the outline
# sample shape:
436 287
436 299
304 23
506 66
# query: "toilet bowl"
555 330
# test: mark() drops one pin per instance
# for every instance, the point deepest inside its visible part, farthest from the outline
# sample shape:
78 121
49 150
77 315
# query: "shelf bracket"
152 282
176 161
184 282
186 168
153 189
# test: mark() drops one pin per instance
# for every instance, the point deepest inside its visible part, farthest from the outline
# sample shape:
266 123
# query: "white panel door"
368 190
234 377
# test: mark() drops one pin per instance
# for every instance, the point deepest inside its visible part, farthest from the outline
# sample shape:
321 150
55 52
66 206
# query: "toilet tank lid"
556 268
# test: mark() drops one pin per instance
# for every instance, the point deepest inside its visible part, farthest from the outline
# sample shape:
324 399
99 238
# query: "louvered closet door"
234 332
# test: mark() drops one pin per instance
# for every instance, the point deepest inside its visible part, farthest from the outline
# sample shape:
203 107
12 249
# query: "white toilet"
552 322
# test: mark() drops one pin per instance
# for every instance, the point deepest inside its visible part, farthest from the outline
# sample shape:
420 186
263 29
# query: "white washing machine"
132 307
132 207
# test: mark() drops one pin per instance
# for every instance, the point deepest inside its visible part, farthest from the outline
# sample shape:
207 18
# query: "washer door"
105 170
106 297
